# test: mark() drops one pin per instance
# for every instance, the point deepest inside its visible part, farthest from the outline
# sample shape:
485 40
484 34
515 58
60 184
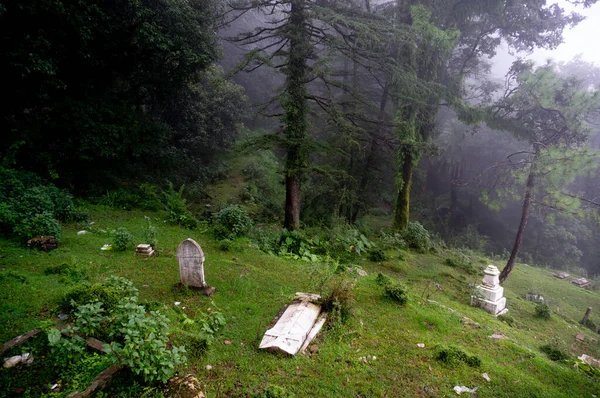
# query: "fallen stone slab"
561 275
296 327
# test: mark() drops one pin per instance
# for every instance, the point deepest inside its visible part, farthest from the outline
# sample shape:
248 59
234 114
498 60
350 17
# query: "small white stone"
209 367
421 345
82 232
177 302
486 376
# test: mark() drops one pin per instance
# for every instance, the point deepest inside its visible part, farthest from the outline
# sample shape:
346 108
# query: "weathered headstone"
492 300
191 266
586 316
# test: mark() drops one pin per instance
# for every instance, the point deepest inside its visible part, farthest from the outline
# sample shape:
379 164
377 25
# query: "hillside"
253 286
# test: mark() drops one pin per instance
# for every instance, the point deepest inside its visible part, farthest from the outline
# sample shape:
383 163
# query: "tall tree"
548 112
477 28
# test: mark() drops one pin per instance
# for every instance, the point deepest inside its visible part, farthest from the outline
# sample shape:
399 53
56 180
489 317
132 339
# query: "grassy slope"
252 287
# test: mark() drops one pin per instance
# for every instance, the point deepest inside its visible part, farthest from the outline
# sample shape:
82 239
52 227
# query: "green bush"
121 239
382 280
231 222
376 255
109 292
30 207
396 292
453 356
273 391
176 207
392 240
554 352
339 299
38 224
417 236
69 271
588 323
150 232
542 310
509 320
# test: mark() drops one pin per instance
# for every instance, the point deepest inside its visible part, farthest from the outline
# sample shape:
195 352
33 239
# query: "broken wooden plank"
99 382
293 327
19 340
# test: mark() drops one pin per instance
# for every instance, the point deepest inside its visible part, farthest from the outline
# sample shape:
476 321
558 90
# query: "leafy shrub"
382 280
121 239
588 323
231 222
542 310
339 299
392 240
139 338
273 391
453 356
225 245
396 292
554 352
141 341
417 236
30 207
109 292
376 255
176 207
509 320
39 224
461 264
150 232
66 270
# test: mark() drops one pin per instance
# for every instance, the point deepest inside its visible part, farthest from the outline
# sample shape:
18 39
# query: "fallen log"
19 340
99 382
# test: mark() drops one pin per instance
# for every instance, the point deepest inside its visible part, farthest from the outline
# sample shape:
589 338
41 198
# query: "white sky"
583 39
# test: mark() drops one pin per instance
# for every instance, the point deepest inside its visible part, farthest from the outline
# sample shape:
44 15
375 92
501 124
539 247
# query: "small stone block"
580 337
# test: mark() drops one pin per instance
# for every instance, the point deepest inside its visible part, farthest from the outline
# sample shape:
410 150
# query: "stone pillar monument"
492 300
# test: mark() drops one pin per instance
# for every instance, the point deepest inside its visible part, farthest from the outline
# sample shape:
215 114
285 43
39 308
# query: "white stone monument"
191 265
492 300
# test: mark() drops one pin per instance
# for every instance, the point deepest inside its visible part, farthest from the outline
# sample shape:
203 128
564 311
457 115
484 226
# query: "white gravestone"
191 264
492 300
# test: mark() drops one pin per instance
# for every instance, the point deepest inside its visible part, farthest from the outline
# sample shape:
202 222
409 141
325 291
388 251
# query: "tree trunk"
401 212
295 109
292 203
527 198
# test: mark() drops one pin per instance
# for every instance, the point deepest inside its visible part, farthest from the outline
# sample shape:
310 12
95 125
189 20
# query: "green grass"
252 287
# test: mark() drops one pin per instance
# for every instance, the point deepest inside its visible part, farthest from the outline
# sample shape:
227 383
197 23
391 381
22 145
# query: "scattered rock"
82 232
486 377
45 243
460 389
469 322
361 272
63 317
313 348
209 367
420 345
589 360
106 247
498 336
184 387
580 337
227 342
26 358
593 340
